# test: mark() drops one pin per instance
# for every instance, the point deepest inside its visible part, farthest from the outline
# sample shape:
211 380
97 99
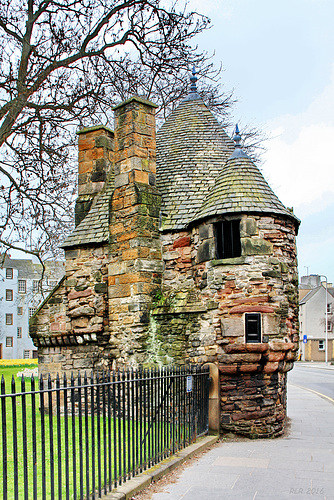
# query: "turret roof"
192 148
241 188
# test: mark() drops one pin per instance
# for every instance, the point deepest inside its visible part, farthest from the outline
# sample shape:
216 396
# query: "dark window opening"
253 327
228 242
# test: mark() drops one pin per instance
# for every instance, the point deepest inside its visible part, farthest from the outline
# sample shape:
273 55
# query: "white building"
20 294
312 316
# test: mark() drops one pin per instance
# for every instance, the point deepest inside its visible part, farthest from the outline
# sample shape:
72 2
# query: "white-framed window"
20 311
9 341
321 345
9 294
329 308
32 310
19 332
329 326
27 354
35 286
9 319
22 286
9 273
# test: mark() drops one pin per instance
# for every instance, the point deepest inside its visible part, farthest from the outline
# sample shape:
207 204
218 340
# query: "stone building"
182 253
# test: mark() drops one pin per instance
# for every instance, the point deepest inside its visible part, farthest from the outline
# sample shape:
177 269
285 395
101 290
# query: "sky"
279 59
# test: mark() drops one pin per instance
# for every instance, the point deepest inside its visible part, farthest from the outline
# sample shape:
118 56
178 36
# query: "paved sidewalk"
300 465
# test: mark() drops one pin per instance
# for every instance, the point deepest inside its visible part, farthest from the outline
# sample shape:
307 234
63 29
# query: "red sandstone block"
281 346
270 367
275 356
54 327
244 309
251 300
257 347
232 348
249 368
228 369
185 241
84 293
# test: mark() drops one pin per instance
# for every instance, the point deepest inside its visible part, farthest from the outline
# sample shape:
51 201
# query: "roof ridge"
241 188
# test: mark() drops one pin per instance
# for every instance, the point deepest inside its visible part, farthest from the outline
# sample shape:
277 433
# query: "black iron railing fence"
78 439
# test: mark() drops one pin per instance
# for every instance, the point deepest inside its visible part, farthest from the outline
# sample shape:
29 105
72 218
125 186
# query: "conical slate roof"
241 188
191 150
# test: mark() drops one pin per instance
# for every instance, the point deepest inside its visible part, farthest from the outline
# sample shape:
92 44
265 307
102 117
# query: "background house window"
22 286
20 311
35 286
32 310
19 332
321 345
228 242
329 326
9 319
253 327
329 308
9 341
9 273
27 354
9 294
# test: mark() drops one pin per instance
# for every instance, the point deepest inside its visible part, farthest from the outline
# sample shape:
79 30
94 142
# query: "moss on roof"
241 187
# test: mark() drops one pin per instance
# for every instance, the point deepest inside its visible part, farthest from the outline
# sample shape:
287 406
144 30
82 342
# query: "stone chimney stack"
135 267
96 146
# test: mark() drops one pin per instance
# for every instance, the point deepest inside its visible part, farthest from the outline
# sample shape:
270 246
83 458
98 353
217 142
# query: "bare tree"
63 65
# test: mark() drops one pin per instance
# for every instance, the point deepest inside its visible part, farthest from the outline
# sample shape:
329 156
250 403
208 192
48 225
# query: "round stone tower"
230 281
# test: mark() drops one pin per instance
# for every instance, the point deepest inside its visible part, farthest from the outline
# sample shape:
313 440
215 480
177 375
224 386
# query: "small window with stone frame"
253 327
32 311
9 341
9 273
22 286
20 311
35 286
9 319
228 243
9 295
19 332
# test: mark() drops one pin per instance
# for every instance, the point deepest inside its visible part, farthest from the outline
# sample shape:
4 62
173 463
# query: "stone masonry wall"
71 329
214 295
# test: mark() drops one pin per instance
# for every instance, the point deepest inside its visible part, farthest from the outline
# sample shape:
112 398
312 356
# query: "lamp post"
326 318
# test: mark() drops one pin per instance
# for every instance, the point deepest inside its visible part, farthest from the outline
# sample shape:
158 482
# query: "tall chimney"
96 146
135 267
